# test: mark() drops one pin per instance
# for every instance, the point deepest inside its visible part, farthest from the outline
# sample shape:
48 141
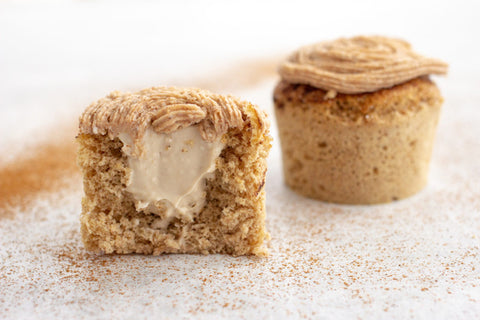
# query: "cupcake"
357 119
173 170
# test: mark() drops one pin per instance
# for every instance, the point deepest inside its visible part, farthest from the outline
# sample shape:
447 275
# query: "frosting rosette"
357 65
166 110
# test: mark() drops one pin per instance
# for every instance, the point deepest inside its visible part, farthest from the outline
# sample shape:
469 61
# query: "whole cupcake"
357 119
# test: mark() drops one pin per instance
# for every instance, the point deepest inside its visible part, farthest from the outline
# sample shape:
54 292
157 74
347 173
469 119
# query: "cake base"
360 148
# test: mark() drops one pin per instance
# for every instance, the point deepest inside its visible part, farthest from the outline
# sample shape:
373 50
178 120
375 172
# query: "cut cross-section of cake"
172 170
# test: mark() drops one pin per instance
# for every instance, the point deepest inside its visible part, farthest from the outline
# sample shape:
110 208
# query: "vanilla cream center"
171 168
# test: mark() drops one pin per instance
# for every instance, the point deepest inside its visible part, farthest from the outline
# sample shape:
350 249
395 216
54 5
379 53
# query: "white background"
62 55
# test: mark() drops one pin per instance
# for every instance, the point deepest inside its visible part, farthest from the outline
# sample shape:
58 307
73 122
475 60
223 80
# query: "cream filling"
170 170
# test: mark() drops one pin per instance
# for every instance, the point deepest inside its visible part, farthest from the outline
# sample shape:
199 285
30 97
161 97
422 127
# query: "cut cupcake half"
173 170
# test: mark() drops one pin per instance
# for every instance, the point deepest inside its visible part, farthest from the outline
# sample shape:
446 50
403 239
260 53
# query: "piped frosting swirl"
168 109
357 65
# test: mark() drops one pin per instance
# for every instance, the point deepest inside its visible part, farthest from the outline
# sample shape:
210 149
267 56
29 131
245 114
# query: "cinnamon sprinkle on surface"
39 171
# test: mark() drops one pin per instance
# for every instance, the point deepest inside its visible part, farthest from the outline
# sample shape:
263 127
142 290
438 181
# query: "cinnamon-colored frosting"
165 110
357 65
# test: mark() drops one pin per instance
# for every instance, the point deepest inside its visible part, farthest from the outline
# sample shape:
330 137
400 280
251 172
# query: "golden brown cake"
357 119
171 170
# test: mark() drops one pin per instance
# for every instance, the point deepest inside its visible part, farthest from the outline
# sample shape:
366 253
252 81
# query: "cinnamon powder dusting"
244 75
40 171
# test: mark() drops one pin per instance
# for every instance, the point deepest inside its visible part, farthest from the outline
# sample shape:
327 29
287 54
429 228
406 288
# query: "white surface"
415 258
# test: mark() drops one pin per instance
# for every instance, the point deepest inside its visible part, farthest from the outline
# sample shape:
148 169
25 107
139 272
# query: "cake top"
168 109
357 65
